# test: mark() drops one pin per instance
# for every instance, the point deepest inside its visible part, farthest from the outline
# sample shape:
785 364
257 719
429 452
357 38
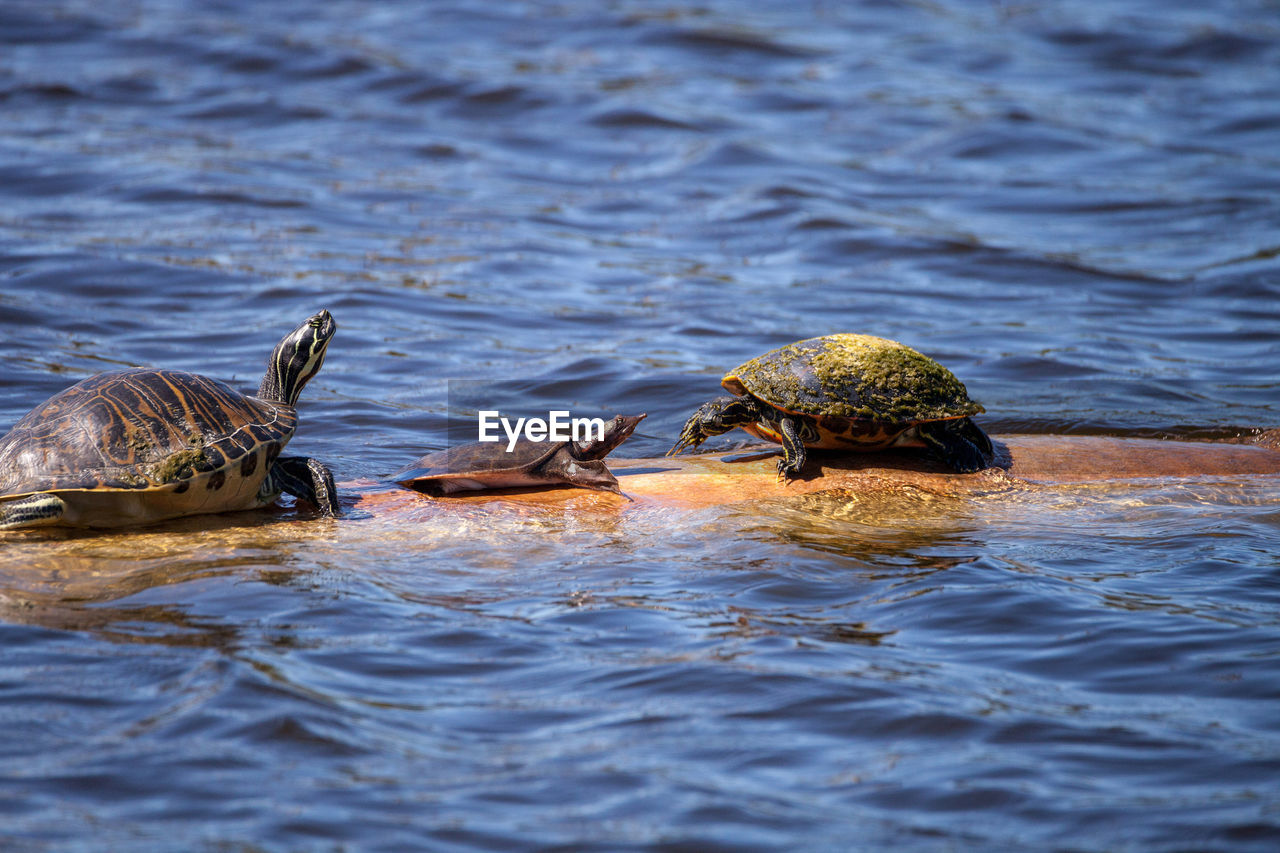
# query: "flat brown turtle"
490 465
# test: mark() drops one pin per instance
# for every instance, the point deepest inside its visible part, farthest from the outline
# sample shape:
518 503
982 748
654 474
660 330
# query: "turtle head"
616 431
296 359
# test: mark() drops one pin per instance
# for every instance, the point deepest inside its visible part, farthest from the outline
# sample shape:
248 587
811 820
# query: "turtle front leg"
959 444
714 418
309 480
594 474
32 511
793 453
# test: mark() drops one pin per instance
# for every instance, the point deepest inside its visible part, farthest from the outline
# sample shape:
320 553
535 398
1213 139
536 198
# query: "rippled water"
602 206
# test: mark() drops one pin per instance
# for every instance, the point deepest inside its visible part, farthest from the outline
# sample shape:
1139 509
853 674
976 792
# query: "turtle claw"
690 437
787 470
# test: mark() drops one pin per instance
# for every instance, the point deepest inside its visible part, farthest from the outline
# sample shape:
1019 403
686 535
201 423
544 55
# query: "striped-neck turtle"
138 446
490 465
846 392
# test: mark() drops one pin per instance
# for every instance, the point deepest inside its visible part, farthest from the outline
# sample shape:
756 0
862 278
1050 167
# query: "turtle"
489 465
133 447
847 392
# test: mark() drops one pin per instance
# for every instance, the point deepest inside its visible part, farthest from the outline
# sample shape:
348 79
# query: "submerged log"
1023 461
41 570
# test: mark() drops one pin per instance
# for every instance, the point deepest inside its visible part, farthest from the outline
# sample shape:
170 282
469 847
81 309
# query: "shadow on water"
77 579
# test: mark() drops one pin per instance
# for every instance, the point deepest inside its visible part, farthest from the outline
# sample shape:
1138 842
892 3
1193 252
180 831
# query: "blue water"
602 207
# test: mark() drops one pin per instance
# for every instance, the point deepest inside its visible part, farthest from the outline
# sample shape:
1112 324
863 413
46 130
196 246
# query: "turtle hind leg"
975 434
308 480
713 418
960 445
32 511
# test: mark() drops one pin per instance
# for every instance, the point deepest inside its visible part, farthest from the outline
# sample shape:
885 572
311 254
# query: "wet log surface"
1023 461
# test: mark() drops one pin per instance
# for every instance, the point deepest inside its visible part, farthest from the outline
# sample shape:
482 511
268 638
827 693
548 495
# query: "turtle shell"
486 462
859 377
179 440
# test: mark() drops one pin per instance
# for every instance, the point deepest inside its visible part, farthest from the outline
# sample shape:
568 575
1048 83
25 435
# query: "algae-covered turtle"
139 446
490 465
846 392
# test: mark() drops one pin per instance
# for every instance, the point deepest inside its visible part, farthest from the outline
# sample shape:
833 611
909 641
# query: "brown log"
42 570
1023 461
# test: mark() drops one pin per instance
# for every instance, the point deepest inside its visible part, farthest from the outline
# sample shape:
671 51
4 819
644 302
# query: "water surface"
603 206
